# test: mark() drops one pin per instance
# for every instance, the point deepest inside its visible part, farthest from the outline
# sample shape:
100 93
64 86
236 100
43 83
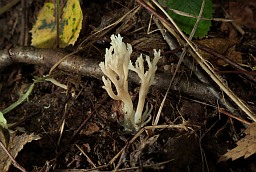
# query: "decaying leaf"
4 135
90 129
16 144
243 13
245 147
44 31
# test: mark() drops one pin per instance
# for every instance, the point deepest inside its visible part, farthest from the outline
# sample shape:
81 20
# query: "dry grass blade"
8 6
192 16
180 61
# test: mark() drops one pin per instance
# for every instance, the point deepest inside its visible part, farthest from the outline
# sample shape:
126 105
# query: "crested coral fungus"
116 68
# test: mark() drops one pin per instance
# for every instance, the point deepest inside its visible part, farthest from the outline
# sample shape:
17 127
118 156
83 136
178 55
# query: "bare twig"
23 40
15 163
181 13
232 116
8 6
87 157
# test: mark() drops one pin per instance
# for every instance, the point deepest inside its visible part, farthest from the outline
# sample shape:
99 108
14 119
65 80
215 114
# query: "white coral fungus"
116 67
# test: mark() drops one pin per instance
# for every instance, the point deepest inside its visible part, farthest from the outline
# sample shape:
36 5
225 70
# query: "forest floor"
76 129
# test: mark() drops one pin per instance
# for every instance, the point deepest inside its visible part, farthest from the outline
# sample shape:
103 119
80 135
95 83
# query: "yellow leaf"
44 31
72 22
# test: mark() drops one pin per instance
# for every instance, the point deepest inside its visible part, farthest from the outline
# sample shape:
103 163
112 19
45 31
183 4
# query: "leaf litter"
101 137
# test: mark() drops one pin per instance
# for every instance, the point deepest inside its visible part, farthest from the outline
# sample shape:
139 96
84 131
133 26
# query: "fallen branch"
90 67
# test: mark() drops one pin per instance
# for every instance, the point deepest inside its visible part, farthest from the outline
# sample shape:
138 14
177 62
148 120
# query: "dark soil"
92 136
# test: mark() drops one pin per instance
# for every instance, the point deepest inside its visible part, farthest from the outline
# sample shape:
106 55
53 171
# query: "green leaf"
191 8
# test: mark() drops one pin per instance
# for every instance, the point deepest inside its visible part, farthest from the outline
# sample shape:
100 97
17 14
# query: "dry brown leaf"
243 13
4 136
16 144
90 129
233 55
245 147
220 45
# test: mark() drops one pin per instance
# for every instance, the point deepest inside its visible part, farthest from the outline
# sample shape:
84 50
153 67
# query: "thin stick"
88 158
232 116
179 62
14 162
57 18
8 6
